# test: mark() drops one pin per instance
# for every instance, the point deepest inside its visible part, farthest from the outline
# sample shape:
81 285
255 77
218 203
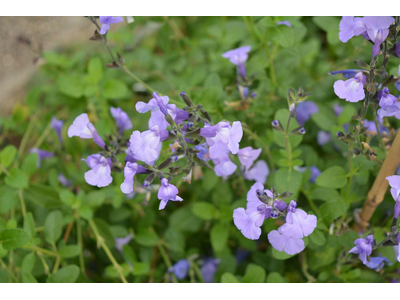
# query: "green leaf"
331 210
68 274
69 251
7 155
333 177
140 268
70 85
13 238
147 238
284 36
67 197
229 278
8 198
115 89
95 70
283 115
275 277
288 181
28 262
53 226
280 255
29 225
42 195
85 212
348 111
219 236
326 194
183 219
17 179
254 274
204 210
28 278
318 238
29 164
331 26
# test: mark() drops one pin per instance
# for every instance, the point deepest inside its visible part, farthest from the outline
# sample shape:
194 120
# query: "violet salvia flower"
63 180
57 125
42 154
304 111
107 21
323 137
167 192
247 156
377 30
377 263
351 90
160 103
385 98
203 154
238 57
121 242
123 121
390 111
180 269
129 172
315 172
398 247
100 173
346 73
208 269
224 167
286 23
394 182
349 27
363 247
84 129
338 109
259 172
371 126
146 146
282 242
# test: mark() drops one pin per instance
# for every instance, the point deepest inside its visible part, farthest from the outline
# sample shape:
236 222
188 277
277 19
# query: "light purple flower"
349 27
394 182
63 180
238 57
315 172
363 247
385 98
167 192
157 116
377 30
282 242
377 263
129 172
247 156
338 109
346 73
259 172
123 121
287 23
42 154
390 111
323 137
57 125
82 128
371 126
146 146
398 247
224 167
352 89
304 111
121 242
107 21
203 154
180 269
208 269
100 173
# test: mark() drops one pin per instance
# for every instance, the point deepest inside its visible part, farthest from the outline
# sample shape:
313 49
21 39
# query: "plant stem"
378 131
311 202
26 137
166 259
43 136
349 159
21 198
41 250
101 242
287 145
80 244
58 260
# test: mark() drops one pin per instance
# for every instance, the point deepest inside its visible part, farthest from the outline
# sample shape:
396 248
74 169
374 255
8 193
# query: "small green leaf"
333 177
275 277
115 89
219 236
28 278
85 212
7 155
13 238
70 85
147 238
29 225
229 278
67 197
204 210
53 226
68 274
254 274
95 70
17 179
69 251
28 262
29 164
332 210
318 238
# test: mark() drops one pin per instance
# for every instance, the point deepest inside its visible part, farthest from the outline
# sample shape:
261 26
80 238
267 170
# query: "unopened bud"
277 125
274 213
149 179
186 99
168 162
298 131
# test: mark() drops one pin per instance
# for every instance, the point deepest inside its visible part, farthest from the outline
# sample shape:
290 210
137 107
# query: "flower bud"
298 131
186 99
149 179
274 213
168 162
277 125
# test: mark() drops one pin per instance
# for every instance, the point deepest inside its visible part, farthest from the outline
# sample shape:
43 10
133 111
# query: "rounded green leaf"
53 226
333 177
13 238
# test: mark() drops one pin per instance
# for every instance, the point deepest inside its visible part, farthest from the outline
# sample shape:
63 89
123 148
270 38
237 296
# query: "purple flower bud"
107 21
42 154
238 57
96 137
323 137
274 214
121 242
363 247
286 23
160 103
57 125
180 269
123 121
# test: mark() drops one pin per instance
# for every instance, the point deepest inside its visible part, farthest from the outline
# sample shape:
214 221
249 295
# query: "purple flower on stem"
282 242
363 247
286 23
42 154
203 154
323 137
259 172
315 172
107 21
63 180
100 173
180 269
123 121
352 89
371 126
394 182
247 156
377 30
385 98
208 269
346 73
84 129
377 263
121 242
167 192
238 57
398 247
224 167
304 111
349 27
390 111
129 172
57 125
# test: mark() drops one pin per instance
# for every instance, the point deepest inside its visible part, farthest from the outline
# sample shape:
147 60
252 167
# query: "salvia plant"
207 150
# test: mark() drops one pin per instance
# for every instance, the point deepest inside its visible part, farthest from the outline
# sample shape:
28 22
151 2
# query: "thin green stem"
349 160
26 136
102 243
80 244
41 250
288 146
382 144
43 136
197 271
166 259
58 260
21 199
4 266
311 202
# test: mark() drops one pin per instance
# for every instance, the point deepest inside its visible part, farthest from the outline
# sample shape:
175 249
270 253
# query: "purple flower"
100 173
377 30
203 154
208 269
287 23
283 243
157 115
371 126
364 247
398 248
146 146
63 180
167 192
247 156
238 57
123 121
323 137
121 242
349 27
42 154
377 263
57 125
346 73
315 172
352 89
304 111
129 172
385 98
107 21
180 269
338 109
259 172
394 182
390 111
224 167
84 129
